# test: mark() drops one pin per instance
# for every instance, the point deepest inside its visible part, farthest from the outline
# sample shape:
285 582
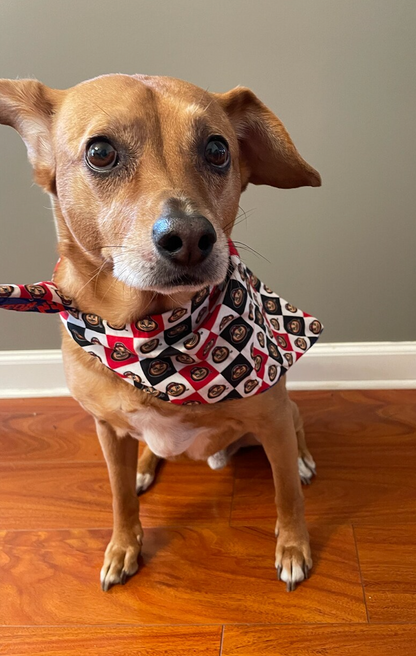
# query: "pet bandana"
230 341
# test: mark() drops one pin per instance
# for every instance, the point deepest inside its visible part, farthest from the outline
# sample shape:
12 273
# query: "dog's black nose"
184 240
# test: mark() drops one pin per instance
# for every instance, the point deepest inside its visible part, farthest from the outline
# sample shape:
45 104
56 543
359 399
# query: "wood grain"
187 576
387 558
319 641
121 641
36 430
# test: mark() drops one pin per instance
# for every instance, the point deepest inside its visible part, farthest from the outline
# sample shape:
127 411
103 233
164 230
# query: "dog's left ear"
29 107
267 153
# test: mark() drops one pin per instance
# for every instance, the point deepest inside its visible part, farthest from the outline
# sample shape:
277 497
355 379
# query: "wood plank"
350 640
187 576
364 444
387 557
46 429
77 495
121 641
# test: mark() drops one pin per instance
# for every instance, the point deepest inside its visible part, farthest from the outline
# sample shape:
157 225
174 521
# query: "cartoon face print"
147 325
5 291
301 343
273 350
36 291
149 346
237 297
175 389
220 353
259 317
281 341
238 333
177 314
177 330
134 377
191 403
269 332
115 326
200 296
74 313
158 368
193 341
239 371
152 391
95 355
65 299
95 340
315 327
291 308
251 311
215 391
257 362
199 373
254 281
201 313
260 339
295 326
208 347
272 372
120 352
270 305
225 320
267 289
242 271
275 323
249 385
289 358
92 320
183 358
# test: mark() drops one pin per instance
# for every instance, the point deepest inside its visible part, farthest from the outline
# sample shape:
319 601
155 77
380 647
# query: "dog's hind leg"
146 470
306 464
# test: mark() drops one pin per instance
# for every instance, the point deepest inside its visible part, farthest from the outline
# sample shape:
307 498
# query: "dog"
145 175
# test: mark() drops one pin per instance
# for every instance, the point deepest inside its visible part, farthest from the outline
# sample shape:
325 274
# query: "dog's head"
146 172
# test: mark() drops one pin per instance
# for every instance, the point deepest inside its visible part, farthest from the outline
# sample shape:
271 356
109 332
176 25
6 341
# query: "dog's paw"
143 481
306 468
120 562
293 563
219 459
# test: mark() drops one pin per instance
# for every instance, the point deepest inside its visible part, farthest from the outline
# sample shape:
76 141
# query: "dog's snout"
184 240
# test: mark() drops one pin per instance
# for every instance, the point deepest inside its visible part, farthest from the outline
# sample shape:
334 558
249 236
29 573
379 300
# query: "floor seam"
361 574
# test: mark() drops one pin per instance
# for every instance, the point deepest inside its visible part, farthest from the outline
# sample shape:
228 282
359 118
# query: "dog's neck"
93 288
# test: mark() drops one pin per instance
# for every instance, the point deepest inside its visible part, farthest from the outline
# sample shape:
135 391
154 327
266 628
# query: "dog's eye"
217 153
101 155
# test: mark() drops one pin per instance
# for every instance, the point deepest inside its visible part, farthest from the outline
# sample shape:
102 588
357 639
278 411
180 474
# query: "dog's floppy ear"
29 106
267 153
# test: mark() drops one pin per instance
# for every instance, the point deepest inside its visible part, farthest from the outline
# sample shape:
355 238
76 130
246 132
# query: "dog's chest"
167 436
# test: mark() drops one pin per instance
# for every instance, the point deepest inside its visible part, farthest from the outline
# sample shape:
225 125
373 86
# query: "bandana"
230 341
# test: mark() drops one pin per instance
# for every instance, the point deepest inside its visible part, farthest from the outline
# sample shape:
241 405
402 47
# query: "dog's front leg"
121 555
293 556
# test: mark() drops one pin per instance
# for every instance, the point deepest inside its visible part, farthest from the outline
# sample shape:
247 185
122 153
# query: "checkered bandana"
229 342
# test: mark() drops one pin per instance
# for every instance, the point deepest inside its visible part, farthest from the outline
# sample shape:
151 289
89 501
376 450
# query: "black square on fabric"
237 371
237 333
273 351
157 369
236 296
294 325
271 305
78 334
174 334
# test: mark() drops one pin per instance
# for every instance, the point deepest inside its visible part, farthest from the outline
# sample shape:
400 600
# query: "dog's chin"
171 280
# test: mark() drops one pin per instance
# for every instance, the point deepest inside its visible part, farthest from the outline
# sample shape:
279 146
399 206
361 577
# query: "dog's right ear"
29 106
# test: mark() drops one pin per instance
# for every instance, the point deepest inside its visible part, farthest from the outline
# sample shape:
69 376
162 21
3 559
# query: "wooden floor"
207 583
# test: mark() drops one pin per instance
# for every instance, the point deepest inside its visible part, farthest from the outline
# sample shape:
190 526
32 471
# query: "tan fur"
104 240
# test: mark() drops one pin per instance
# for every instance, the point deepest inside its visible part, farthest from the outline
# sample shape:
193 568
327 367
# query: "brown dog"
115 154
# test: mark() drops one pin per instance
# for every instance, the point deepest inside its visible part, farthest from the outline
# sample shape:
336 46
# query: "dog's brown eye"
101 156
217 153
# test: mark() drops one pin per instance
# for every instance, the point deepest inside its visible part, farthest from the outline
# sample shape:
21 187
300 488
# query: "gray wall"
341 76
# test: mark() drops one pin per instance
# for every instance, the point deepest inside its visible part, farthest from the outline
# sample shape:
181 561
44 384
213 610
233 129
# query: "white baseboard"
363 365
